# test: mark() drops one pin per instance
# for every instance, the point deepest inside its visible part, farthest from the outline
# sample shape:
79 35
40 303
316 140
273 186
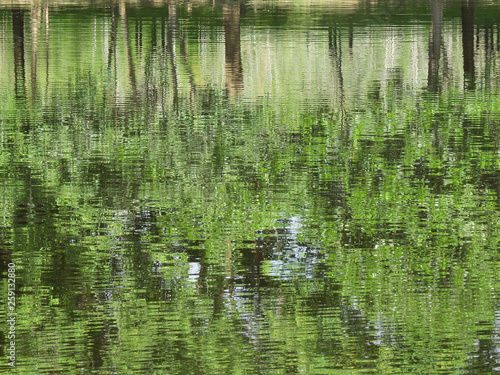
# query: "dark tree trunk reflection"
170 47
335 52
468 43
19 70
435 42
47 49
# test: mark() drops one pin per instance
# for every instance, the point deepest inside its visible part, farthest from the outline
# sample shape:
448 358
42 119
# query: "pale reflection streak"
128 51
35 16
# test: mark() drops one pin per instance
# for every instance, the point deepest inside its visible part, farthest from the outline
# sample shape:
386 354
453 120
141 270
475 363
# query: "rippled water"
250 188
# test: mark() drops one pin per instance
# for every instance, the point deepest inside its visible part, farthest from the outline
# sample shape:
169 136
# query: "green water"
250 188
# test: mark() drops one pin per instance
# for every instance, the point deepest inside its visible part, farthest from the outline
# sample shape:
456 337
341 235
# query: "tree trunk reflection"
468 43
36 14
435 41
170 47
234 70
128 51
19 68
19 71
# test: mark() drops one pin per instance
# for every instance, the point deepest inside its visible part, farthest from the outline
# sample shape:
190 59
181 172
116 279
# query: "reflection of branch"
128 52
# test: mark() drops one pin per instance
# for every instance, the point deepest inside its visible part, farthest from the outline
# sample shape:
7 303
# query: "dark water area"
262 187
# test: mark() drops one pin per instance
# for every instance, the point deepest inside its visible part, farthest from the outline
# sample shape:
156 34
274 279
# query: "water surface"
251 188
